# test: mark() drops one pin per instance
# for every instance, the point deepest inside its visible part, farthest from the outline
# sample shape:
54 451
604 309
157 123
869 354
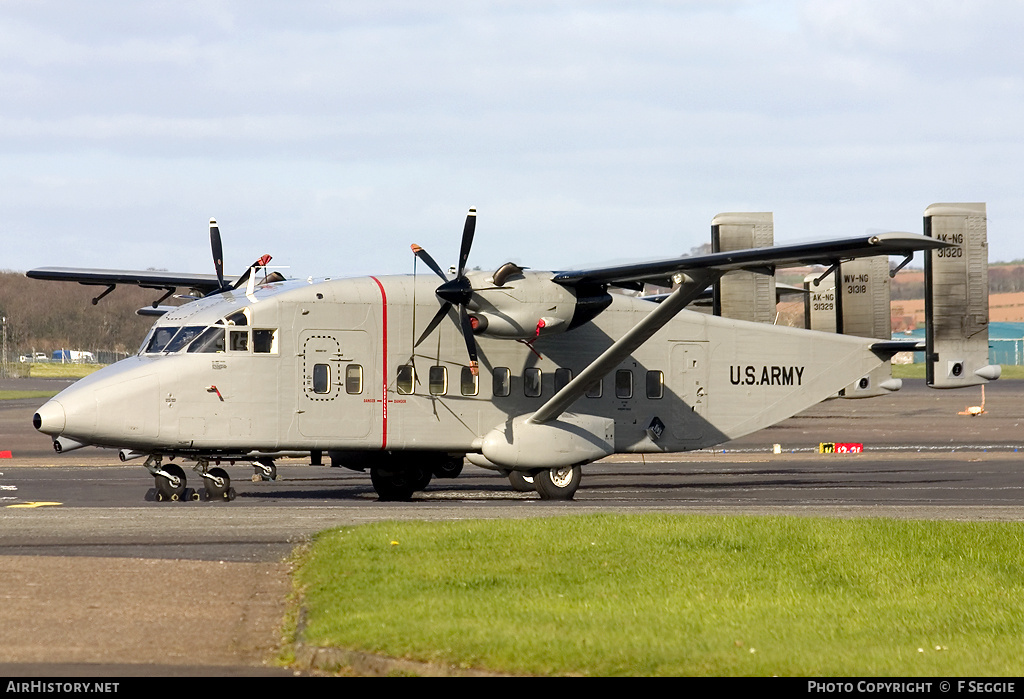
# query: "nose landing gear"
171 484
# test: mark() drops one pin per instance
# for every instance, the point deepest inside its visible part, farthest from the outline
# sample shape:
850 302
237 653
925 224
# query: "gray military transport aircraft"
532 374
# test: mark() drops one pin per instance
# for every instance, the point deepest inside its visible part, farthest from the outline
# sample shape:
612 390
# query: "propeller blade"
218 251
262 262
441 313
467 240
428 260
467 334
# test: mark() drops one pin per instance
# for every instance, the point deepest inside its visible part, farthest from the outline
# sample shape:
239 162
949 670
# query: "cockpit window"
211 341
237 319
159 339
183 337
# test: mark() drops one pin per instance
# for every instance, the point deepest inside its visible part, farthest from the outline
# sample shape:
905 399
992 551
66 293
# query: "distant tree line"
44 316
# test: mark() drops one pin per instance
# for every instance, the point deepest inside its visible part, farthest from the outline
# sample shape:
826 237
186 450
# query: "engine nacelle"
529 305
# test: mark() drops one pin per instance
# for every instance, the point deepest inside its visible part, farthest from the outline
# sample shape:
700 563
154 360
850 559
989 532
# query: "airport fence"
15 363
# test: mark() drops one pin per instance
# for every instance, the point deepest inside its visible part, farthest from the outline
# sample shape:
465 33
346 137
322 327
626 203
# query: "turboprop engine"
526 305
511 304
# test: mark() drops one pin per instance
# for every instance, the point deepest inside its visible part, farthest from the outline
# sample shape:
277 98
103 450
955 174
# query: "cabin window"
354 378
562 378
406 379
532 382
238 340
211 341
470 382
596 389
264 341
623 383
655 384
321 378
183 337
437 380
501 381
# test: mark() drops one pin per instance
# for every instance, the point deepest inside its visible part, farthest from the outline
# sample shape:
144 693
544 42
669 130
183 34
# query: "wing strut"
693 285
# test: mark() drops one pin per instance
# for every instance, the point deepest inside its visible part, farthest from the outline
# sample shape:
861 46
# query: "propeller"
454 292
218 252
218 261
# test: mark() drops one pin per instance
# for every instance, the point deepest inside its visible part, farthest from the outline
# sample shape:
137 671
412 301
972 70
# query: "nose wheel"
170 484
218 485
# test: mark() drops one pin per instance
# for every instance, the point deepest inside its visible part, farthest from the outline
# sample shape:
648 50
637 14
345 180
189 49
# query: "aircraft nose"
50 419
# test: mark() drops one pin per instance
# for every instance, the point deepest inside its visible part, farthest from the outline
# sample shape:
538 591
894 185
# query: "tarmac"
126 616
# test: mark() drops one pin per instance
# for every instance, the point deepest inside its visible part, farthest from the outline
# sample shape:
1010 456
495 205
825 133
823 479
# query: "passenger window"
562 378
239 340
655 384
264 341
470 382
623 383
354 378
211 341
532 382
437 380
501 381
406 379
321 378
596 389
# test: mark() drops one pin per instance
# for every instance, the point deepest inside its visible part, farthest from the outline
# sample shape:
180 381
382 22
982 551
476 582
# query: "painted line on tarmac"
29 505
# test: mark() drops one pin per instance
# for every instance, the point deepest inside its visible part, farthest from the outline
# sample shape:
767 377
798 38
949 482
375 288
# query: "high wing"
693 275
147 280
763 260
168 282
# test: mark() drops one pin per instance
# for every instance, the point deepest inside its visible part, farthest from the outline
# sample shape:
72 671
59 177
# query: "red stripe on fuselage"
384 365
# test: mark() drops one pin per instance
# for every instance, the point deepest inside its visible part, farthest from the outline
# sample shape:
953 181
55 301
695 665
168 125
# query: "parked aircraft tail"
744 295
853 299
956 297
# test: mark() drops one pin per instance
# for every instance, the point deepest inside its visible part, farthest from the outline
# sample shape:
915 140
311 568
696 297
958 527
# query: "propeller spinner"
454 292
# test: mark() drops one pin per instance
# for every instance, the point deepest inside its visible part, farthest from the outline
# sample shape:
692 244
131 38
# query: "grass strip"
674 595
56 370
16 395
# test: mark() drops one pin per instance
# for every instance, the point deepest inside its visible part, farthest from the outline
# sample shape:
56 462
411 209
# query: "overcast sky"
334 134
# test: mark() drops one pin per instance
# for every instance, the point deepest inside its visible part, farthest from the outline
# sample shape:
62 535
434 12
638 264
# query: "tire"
558 483
522 482
395 484
214 491
450 467
164 489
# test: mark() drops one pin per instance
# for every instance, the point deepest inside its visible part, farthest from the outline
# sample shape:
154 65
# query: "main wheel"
558 483
172 488
450 467
215 491
522 482
396 483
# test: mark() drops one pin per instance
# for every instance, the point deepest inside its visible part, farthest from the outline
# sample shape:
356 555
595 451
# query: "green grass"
15 395
56 370
674 595
917 371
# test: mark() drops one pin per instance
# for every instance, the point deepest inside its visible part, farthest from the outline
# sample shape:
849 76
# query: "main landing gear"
399 476
550 483
171 484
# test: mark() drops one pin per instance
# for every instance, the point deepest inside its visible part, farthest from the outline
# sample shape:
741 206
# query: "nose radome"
50 418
